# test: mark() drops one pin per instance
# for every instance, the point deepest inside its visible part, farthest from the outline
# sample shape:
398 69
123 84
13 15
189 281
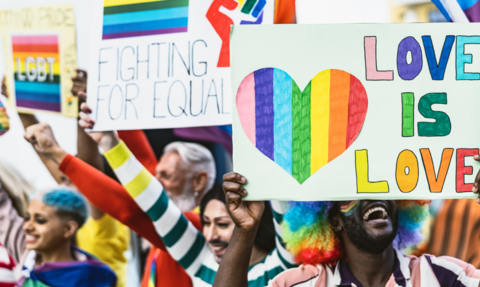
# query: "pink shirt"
7 277
409 271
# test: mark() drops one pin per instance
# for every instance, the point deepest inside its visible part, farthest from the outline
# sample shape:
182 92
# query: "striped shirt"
7 265
409 271
183 241
456 230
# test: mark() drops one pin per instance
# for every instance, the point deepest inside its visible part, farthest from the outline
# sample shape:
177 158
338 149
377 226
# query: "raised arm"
137 142
184 242
111 197
246 215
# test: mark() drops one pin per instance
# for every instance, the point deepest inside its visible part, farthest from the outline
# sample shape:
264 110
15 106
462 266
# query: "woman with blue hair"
52 220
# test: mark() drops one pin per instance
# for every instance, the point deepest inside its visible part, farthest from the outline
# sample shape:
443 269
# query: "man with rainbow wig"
345 243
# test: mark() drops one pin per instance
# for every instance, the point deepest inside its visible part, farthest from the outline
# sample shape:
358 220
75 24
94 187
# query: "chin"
34 246
218 258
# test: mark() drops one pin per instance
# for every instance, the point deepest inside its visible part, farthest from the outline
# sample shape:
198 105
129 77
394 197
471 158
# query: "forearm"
110 197
233 270
138 143
28 119
87 150
49 162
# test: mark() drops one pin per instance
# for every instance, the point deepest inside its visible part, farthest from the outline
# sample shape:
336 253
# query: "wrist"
247 232
109 141
58 154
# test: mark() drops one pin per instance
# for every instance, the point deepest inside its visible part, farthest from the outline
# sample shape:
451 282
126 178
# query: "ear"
70 228
337 223
199 182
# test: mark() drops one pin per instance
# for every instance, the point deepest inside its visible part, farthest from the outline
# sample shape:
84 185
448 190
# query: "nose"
211 234
28 226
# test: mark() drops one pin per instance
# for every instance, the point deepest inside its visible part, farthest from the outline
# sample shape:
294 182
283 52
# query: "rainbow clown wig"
311 239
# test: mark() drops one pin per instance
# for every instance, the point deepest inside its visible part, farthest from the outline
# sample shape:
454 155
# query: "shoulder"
302 276
447 269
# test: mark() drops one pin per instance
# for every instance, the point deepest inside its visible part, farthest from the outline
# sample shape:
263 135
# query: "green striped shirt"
184 242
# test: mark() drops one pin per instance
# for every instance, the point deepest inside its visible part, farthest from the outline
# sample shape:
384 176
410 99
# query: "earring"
195 193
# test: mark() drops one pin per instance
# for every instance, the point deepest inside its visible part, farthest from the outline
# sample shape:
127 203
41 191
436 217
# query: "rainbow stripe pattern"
41 91
134 18
251 6
301 131
4 122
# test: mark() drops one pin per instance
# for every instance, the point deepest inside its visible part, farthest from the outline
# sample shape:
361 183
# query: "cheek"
227 233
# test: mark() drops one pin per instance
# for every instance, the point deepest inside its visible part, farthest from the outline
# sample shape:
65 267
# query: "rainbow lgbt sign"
41 58
356 111
132 18
37 78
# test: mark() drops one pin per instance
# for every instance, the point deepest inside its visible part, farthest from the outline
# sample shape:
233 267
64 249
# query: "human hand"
4 87
79 82
106 140
245 214
42 138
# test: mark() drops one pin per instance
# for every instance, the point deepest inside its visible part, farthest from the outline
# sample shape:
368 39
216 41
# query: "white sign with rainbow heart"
356 111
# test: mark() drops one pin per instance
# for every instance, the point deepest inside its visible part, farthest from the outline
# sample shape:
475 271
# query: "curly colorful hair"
311 239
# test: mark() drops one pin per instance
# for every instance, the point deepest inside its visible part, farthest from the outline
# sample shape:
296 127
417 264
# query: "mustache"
217 241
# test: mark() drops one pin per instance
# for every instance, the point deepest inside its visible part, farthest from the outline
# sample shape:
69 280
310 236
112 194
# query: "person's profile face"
44 230
217 227
171 172
371 225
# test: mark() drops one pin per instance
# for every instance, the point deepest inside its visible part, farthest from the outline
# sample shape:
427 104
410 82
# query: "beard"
185 201
364 241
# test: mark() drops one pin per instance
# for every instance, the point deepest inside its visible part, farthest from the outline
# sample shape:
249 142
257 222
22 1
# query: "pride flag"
460 11
37 72
133 18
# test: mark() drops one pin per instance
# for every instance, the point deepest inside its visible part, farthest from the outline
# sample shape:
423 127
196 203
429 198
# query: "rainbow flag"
301 131
133 18
36 60
460 11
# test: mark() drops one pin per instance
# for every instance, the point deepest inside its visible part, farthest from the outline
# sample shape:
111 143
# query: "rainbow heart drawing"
301 131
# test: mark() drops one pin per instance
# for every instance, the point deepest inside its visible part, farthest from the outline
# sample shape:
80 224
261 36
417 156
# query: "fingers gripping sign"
106 140
245 214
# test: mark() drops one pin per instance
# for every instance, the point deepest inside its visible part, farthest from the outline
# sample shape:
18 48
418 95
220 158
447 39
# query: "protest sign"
40 55
164 64
356 111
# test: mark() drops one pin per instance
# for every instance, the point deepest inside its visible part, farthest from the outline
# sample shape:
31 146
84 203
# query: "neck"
370 269
257 255
60 254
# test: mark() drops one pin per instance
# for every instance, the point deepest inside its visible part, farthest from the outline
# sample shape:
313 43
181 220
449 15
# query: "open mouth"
375 213
219 248
31 238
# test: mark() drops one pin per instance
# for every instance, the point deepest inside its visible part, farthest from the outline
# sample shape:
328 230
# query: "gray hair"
197 157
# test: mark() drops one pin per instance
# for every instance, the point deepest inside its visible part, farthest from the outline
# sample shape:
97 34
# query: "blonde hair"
16 186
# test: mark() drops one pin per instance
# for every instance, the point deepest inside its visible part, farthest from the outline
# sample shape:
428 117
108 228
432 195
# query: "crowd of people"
170 197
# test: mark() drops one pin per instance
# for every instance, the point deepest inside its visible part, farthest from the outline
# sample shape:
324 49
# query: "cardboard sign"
164 64
40 55
356 111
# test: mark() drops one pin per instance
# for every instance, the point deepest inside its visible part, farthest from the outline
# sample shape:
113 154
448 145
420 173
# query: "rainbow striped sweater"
184 242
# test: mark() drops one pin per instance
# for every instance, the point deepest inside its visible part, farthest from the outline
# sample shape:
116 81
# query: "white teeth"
372 210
